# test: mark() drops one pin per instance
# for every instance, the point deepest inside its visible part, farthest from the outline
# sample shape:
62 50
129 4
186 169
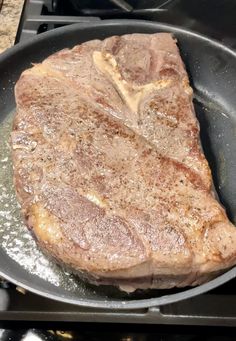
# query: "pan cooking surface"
212 71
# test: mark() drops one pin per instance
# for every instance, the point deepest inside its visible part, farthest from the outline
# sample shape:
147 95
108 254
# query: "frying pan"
212 70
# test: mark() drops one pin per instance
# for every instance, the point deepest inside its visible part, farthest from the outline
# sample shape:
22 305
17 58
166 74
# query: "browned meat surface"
108 167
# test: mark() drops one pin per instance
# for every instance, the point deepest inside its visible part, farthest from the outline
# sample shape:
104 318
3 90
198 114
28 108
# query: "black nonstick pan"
212 70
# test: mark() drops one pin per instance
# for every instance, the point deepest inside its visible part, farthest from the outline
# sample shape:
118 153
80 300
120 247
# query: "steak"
109 170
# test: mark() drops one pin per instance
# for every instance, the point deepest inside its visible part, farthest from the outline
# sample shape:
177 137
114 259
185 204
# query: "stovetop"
215 18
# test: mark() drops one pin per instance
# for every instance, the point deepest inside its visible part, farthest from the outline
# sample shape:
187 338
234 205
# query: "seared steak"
108 167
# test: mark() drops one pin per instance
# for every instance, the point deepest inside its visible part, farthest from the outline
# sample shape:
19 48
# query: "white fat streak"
131 93
95 199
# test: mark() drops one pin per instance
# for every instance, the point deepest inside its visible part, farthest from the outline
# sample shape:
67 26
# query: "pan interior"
218 126
212 69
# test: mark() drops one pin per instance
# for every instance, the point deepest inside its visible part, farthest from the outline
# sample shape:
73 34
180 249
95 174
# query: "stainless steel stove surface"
218 308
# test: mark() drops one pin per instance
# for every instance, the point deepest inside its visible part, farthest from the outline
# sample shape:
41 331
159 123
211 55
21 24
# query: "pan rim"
123 304
42 36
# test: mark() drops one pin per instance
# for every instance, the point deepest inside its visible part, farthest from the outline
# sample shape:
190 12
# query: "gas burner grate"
39 16
43 15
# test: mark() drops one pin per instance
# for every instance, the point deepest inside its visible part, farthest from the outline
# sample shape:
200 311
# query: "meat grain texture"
108 167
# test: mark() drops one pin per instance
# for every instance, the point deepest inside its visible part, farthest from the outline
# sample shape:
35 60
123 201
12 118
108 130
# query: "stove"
215 18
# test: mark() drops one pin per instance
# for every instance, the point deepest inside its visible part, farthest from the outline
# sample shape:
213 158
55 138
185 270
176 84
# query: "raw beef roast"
108 167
